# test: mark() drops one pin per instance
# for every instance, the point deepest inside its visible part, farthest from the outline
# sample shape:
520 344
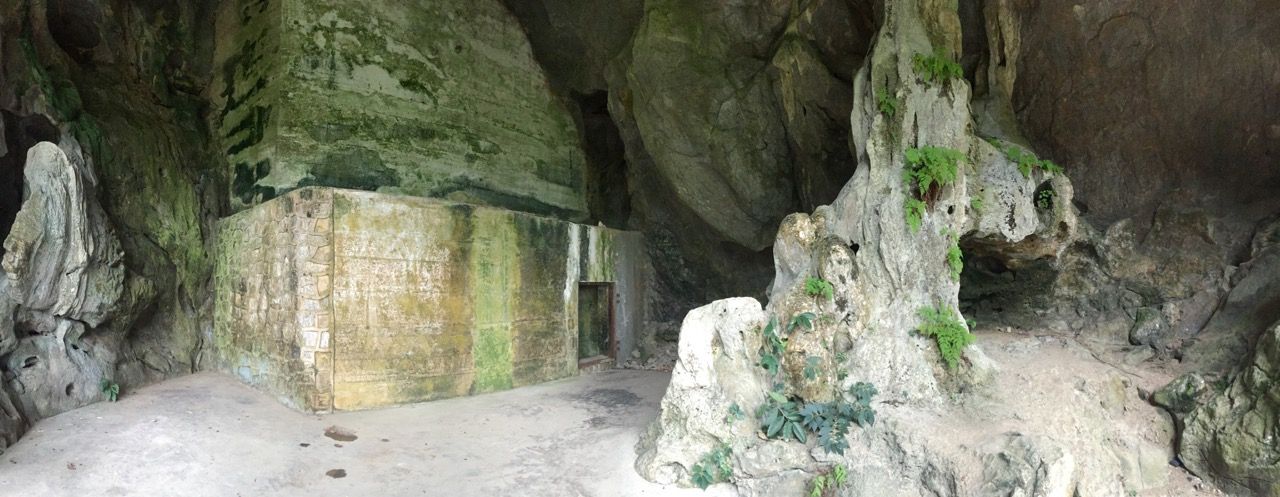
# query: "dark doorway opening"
597 341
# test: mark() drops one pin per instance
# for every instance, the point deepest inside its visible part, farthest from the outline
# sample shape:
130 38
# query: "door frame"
612 353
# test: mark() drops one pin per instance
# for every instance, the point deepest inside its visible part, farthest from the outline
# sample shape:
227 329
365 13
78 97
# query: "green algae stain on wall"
495 276
430 299
432 98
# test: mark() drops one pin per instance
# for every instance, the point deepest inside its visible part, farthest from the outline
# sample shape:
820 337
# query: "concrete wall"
348 300
434 98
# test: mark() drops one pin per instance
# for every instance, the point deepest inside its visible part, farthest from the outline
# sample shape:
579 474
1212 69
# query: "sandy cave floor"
209 435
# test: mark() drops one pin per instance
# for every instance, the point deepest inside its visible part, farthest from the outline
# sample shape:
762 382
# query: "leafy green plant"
714 467
937 68
914 209
887 103
1027 160
804 319
976 204
735 414
1045 198
927 171
773 347
812 366
955 256
775 343
783 418
780 418
827 484
931 168
941 324
818 287
110 389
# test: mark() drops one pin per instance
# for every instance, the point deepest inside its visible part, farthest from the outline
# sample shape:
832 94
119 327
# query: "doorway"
596 340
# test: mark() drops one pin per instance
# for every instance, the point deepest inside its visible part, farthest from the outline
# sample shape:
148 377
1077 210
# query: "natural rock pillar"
62 276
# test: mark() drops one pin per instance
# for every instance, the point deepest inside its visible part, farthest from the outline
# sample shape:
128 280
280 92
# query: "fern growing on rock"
936 69
818 287
955 256
928 170
948 330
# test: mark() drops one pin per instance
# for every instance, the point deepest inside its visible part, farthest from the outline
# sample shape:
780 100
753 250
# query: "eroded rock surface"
63 278
1232 438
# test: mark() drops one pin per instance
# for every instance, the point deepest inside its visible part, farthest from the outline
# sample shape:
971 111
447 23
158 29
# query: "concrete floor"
208 435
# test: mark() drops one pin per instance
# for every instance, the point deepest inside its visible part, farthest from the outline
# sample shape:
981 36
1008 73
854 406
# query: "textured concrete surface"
355 300
434 98
208 435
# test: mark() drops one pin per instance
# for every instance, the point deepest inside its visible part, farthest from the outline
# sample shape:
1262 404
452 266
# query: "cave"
640 247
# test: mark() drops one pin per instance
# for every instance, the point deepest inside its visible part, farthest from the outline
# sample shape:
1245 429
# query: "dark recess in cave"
975 47
20 134
608 198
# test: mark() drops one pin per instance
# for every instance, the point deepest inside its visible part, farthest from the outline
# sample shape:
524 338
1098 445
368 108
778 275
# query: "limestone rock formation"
63 277
1231 439
882 272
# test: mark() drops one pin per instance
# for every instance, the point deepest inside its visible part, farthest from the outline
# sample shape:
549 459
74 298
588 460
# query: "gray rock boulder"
1232 439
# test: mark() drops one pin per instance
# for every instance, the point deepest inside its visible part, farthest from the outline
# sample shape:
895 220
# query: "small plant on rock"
941 324
936 69
812 366
783 418
715 467
927 171
774 345
780 418
914 209
826 484
1045 198
931 168
735 414
955 256
887 104
804 319
110 389
1027 161
818 287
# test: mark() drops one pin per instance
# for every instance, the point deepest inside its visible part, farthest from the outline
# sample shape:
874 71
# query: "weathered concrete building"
464 273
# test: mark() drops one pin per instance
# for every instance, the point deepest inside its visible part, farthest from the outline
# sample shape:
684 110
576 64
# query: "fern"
948 331
955 257
831 481
930 167
937 68
888 105
1045 198
1027 161
818 287
914 210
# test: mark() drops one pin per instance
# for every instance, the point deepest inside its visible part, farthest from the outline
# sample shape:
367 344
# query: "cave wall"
124 79
732 115
428 98
1146 102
